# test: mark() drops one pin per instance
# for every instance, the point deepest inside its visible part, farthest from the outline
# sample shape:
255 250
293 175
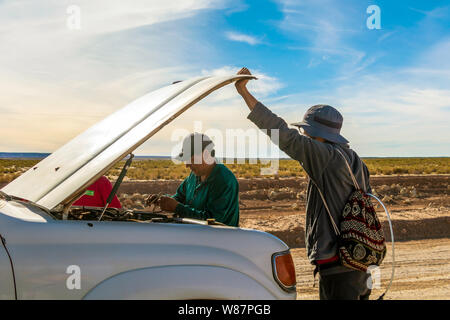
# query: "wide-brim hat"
323 121
194 144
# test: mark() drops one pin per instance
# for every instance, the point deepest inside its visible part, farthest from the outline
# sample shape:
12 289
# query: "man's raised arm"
313 155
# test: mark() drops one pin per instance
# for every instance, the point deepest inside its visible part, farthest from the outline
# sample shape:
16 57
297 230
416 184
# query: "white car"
45 257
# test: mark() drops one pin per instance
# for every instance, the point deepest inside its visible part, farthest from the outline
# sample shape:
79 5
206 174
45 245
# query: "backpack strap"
355 183
335 228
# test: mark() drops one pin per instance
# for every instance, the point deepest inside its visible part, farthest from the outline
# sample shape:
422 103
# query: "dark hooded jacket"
324 165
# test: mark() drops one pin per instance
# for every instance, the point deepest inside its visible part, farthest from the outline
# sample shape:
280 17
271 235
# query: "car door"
7 290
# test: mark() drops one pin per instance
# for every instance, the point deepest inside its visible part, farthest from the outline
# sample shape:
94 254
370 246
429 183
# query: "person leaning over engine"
210 191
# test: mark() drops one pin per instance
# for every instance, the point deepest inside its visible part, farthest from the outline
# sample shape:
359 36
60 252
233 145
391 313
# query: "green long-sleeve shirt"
217 197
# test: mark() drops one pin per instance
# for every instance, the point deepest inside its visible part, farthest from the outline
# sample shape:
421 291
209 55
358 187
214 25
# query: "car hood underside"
64 175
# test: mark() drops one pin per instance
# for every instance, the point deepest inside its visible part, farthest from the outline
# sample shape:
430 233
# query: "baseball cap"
194 144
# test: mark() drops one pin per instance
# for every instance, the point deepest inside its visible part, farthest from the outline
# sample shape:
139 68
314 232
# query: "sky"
391 84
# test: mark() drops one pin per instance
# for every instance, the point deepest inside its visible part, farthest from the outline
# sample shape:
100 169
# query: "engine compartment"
110 214
130 215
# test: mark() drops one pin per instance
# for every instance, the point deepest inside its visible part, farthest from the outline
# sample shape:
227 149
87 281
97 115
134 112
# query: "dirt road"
422 272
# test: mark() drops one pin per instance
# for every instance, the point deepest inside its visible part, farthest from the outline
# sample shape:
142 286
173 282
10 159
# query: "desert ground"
419 206
420 210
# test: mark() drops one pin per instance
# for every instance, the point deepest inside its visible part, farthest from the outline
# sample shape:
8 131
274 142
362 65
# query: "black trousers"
350 285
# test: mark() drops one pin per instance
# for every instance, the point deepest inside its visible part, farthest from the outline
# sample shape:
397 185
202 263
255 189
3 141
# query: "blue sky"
392 85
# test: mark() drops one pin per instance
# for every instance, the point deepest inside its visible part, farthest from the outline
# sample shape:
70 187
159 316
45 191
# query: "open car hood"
66 173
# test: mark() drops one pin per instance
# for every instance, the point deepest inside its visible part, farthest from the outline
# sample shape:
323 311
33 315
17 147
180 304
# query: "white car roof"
67 172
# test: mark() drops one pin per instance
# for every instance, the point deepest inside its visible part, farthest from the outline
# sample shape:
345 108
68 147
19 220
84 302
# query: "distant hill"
37 155
23 155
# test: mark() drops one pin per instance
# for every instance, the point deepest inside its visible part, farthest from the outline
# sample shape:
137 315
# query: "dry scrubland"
167 170
416 190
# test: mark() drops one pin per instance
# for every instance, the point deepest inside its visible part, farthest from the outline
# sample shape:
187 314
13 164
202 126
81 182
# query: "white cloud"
222 110
326 33
98 16
439 12
240 37
319 21
389 111
264 86
384 114
57 82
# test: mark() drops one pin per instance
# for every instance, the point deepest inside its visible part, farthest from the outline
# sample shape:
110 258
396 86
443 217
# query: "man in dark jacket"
316 149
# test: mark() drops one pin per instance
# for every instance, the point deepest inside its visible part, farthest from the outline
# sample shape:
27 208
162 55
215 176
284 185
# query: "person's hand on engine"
168 203
152 199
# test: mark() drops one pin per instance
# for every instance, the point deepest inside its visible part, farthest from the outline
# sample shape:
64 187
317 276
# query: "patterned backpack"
361 241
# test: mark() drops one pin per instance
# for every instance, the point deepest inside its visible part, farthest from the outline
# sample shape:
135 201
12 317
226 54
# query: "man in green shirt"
211 191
